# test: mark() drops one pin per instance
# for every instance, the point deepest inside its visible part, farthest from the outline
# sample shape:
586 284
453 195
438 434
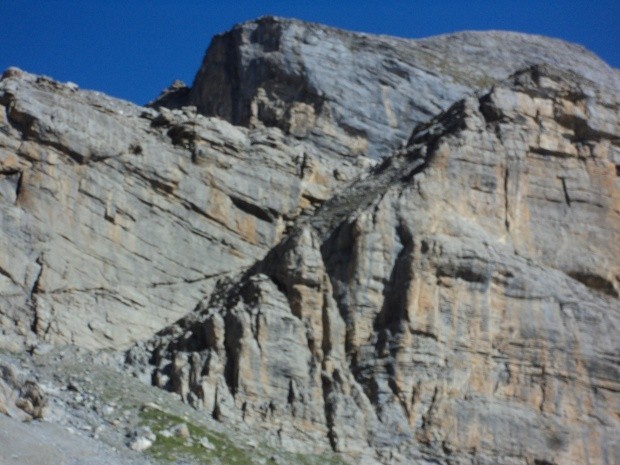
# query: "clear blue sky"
134 48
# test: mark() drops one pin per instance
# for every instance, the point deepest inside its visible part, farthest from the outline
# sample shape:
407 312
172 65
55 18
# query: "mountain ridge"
279 78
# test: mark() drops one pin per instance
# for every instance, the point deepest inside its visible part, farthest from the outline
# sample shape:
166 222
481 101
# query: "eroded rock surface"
455 302
356 93
20 397
458 305
116 219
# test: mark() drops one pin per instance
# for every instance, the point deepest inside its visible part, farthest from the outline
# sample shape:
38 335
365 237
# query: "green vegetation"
178 449
174 448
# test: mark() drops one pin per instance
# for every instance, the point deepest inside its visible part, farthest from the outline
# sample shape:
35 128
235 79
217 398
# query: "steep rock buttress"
458 305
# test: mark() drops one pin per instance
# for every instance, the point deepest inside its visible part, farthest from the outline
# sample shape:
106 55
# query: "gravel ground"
96 413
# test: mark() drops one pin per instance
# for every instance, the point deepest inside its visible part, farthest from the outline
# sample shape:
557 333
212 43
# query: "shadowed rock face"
456 302
356 93
442 309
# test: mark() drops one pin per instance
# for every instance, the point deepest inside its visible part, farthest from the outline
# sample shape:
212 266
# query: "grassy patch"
176 449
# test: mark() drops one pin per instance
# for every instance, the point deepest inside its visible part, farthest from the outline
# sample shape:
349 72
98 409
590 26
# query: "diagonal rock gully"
451 307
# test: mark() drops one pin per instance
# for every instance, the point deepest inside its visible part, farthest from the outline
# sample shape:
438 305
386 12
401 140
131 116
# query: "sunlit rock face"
358 93
458 305
117 219
406 251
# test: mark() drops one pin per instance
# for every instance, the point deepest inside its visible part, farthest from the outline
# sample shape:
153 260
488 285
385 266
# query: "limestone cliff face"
458 305
356 93
117 219
331 236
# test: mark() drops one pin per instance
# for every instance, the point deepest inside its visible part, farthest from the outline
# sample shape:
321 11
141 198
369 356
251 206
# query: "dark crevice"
304 165
422 163
35 287
394 308
290 398
186 280
471 269
566 196
549 153
400 396
353 131
217 411
427 417
385 164
506 199
488 110
259 212
423 333
32 298
594 281
6 274
327 385
160 186
182 135
282 288
337 253
583 132
136 149
326 343
21 122
452 121
233 335
14 178
543 390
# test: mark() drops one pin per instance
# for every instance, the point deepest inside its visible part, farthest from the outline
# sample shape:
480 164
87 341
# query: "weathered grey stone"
441 310
140 444
116 221
356 93
455 302
20 397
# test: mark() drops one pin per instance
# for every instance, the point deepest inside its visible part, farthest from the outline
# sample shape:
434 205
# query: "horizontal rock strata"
117 219
458 305
406 251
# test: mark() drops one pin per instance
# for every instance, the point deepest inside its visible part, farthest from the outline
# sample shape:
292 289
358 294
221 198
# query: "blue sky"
132 49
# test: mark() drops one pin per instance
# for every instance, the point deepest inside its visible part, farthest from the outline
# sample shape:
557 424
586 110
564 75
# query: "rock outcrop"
112 212
20 397
357 93
405 251
458 305
116 219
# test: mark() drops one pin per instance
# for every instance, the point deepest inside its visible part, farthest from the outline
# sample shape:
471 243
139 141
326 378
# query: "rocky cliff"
117 219
403 251
444 307
357 93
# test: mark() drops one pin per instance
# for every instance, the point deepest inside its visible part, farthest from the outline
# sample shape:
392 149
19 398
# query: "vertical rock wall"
442 310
